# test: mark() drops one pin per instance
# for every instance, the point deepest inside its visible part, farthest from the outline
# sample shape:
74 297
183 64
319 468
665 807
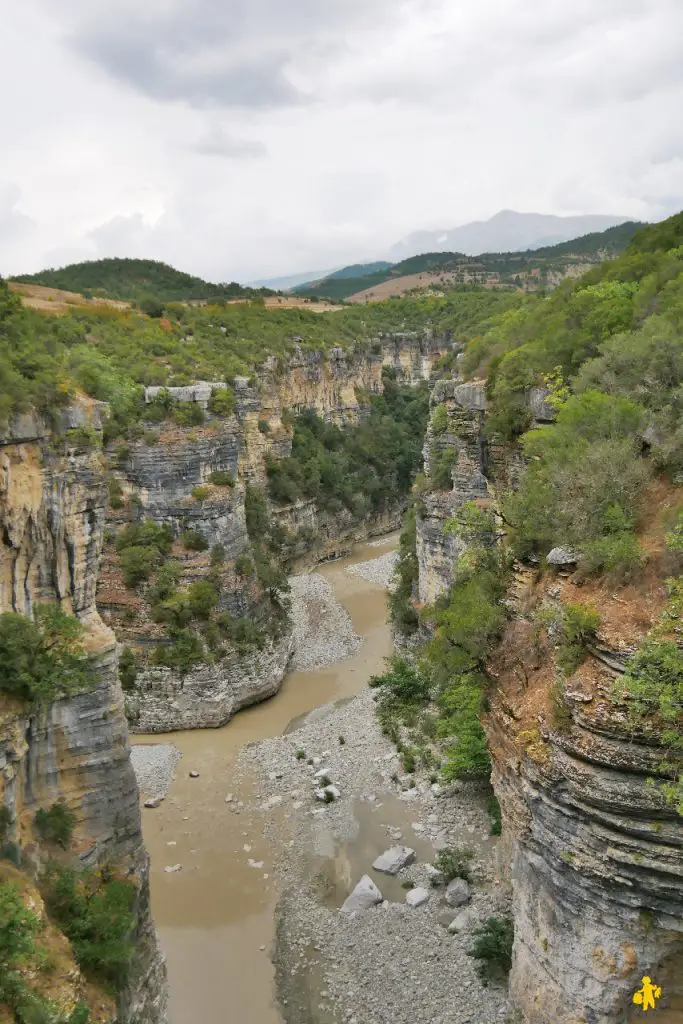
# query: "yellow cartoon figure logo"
648 995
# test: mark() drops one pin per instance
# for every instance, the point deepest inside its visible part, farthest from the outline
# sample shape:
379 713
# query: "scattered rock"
458 893
154 801
391 861
194 775
465 920
171 869
229 798
417 896
434 876
328 794
365 895
562 556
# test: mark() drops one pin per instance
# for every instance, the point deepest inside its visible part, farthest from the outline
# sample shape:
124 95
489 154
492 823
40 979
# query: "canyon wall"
594 854
158 476
53 500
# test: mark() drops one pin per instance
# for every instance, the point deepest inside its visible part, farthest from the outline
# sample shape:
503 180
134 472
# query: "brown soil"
55 300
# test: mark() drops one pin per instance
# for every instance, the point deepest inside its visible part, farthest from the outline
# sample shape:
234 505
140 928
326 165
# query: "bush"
128 669
492 947
151 306
202 598
441 469
493 808
217 555
559 712
188 414
145 534
619 557
454 862
193 540
244 566
165 582
222 478
578 626
183 653
439 420
55 825
41 659
115 493
96 912
138 564
264 426
222 402
201 493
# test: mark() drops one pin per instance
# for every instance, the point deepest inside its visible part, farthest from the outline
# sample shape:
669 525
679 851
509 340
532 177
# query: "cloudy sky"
244 138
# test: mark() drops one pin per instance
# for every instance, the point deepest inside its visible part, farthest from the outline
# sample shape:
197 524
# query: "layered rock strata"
52 505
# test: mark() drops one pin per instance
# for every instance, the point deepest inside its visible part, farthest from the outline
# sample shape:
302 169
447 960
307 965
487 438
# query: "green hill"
511 267
134 279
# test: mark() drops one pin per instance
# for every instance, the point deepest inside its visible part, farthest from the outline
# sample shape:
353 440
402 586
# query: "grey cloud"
13 223
226 53
217 142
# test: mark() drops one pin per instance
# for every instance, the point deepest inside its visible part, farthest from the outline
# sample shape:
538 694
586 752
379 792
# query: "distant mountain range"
506 231
532 270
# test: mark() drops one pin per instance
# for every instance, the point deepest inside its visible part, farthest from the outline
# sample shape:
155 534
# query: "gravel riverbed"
377 570
323 631
154 767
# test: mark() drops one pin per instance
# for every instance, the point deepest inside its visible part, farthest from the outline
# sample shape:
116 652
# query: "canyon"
592 855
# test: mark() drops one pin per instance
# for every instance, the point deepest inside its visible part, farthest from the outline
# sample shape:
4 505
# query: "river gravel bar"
154 767
323 631
377 570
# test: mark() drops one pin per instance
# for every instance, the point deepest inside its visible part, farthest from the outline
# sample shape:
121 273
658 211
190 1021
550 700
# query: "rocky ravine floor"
393 962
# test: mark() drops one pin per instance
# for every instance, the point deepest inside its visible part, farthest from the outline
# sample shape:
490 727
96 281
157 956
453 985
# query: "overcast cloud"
240 139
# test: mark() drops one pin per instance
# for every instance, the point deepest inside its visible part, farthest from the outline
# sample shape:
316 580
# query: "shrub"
300 755
439 420
264 426
43 658
454 862
188 414
165 582
578 627
145 534
138 564
217 555
6 820
128 669
222 402
222 478
96 912
150 437
408 761
193 540
182 654
115 493
493 808
55 825
202 598
441 469
559 712
618 556
201 493
492 947
151 306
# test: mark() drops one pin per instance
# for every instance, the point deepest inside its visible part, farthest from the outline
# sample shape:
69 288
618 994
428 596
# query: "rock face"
158 477
594 856
52 507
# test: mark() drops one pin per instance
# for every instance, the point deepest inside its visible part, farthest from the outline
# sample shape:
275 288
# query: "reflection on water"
214 916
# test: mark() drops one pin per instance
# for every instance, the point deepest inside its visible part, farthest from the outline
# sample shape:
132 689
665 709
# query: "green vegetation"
136 280
448 672
128 669
492 947
454 862
364 468
441 469
141 548
55 824
222 478
44 658
193 540
399 600
22 959
512 267
95 910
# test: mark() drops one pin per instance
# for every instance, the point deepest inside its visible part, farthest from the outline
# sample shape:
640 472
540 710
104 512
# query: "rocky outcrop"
209 696
52 507
594 855
159 476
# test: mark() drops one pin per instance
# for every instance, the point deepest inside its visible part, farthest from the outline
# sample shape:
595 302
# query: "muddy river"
215 916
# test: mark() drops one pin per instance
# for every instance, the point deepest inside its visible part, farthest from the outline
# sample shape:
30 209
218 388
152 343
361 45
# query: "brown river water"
215 917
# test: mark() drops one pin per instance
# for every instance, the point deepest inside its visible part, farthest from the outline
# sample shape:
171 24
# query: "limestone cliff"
594 854
159 476
52 505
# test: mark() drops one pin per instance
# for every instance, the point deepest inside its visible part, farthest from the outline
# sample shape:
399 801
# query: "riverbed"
216 912
249 870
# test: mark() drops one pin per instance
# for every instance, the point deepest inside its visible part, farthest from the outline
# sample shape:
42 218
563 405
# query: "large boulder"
562 556
417 896
458 893
463 921
365 895
391 861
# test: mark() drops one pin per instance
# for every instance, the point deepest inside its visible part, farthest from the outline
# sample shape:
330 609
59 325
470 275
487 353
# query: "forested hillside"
508 268
135 280
109 354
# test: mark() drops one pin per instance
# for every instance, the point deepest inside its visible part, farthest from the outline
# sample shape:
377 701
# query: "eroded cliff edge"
206 482
593 852
53 500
